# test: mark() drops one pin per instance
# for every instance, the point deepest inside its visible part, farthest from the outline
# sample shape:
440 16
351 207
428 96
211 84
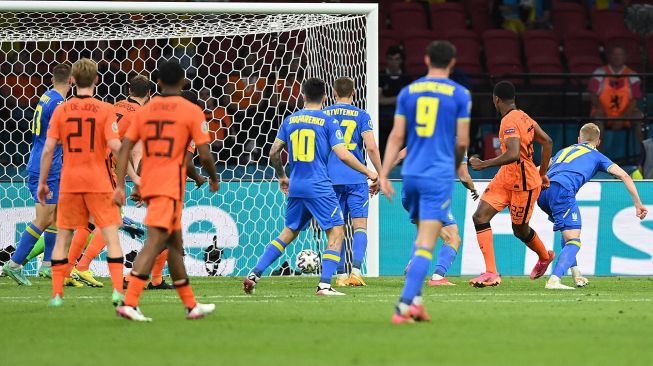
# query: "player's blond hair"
590 132
84 72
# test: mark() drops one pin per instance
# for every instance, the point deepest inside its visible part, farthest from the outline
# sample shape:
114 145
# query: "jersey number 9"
303 145
427 114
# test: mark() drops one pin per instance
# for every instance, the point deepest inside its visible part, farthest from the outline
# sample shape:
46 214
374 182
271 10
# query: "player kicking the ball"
86 127
166 126
432 117
571 168
310 135
351 186
517 185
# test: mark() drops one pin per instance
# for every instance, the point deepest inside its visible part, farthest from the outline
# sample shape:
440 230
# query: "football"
308 261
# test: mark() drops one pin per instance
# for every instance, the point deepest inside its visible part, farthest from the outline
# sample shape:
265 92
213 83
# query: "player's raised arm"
511 155
547 149
619 173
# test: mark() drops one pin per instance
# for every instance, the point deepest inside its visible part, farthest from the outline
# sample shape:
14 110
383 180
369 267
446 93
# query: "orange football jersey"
521 175
84 125
166 126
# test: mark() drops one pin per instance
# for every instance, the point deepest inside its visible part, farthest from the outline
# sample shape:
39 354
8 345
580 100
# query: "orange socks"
115 270
135 289
185 293
485 242
92 251
535 244
59 268
157 268
76 247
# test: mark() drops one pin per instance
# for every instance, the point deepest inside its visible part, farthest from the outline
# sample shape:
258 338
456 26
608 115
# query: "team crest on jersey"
339 134
510 130
205 127
114 127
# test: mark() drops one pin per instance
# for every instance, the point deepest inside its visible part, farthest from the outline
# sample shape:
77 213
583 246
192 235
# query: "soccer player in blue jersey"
351 186
570 169
309 135
44 222
432 116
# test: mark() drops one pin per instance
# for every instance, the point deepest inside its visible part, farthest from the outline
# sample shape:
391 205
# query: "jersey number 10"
427 114
303 145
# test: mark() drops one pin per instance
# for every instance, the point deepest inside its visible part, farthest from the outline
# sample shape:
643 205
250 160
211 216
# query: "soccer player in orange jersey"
166 125
139 94
86 127
517 185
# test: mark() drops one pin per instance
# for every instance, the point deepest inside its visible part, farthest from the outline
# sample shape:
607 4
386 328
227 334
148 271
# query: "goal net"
246 69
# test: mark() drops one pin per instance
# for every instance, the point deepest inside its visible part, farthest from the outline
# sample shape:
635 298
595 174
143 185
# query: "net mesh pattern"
246 71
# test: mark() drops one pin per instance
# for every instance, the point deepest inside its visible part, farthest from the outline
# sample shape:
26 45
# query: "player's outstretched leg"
410 306
156 281
194 310
82 269
527 235
359 249
446 255
484 213
272 252
566 259
330 260
60 265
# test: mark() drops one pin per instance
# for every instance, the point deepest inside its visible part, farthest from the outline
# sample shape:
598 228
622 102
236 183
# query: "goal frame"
369 10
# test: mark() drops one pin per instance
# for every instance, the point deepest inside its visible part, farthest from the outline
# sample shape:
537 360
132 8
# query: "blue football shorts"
53 184
561 206
428 199
325 210
354 199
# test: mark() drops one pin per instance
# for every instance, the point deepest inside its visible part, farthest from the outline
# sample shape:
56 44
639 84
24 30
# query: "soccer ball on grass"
308 261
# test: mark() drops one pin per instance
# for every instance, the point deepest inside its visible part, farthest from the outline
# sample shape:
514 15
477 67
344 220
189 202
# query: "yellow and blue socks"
567 257
419 267
49 238
359 247
446 256
27 241
272 252
562 245
330 260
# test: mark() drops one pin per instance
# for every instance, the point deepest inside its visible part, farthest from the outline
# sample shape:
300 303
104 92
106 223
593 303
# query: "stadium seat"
583 64
568 18
501 46
408 16
649 51
630 42
415 43
582 43
448 16
501 67
468 50
542 45
545 65
479 13
607 21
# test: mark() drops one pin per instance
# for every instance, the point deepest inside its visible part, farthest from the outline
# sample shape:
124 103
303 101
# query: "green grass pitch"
517 323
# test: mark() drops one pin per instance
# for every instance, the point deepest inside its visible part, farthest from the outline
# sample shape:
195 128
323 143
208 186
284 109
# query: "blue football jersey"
40 123
310 135
354 122
432 107
573 166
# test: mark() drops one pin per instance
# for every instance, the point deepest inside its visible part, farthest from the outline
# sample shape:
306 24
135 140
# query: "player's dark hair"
440 53
395 50
139 86
170 73
504 90
314 90
61 73
344 87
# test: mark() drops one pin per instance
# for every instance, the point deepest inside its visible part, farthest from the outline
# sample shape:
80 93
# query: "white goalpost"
244 61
